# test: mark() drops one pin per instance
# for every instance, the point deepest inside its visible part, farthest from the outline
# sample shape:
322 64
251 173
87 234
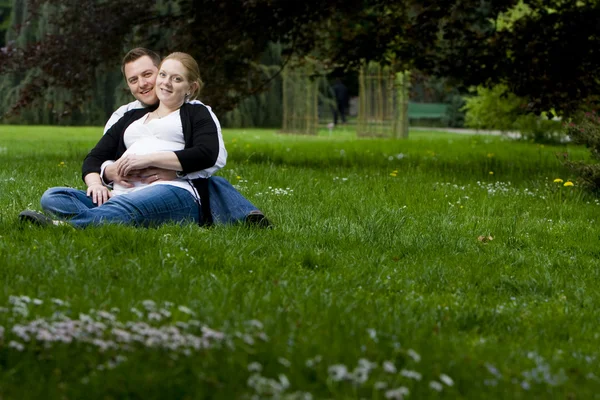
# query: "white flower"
310 363
389 367
446 379
154 316
137 312
185 310
411 374
493 370
359 375
37 302
338 372
363 363
435 385
106 315
372 334
16 345
285 382
212 334
414 355
254 323
255 367
397 394
60 302
149 304
380 385
285 362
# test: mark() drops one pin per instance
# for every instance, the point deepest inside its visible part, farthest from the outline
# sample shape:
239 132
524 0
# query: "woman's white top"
159 134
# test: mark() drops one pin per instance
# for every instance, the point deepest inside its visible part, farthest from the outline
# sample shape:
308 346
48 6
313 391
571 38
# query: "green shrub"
586 131
499 109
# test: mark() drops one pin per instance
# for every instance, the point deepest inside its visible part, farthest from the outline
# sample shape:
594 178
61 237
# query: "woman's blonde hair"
193 71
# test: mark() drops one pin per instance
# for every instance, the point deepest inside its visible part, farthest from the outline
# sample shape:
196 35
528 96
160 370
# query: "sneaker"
257 218
38 218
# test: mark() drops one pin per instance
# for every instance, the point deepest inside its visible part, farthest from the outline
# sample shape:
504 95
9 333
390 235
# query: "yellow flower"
558 180
491 172
568 183
238 177
393 174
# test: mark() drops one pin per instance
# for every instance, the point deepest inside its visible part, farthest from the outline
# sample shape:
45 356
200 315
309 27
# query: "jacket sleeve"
202 145
106 149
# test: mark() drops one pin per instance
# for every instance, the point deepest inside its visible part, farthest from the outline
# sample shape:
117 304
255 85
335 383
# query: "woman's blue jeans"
154 205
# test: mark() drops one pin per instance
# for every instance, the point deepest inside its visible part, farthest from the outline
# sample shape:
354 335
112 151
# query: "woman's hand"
132 162
111 175
151 175
99 193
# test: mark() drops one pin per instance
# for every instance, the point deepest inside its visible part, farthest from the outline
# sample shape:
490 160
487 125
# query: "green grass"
375 259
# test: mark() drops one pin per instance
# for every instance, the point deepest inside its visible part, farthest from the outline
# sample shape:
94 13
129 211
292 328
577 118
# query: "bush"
586 130
499 109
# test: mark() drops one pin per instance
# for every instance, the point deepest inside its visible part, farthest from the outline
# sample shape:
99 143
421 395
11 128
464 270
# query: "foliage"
467 40
586 131
372 259
550 55
5 10
499 109
493 108
48 103
456 113
263 109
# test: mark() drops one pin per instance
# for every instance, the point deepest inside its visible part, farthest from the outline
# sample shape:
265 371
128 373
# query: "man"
342 100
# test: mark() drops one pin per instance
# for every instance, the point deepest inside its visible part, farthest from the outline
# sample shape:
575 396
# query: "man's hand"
99 193
152 174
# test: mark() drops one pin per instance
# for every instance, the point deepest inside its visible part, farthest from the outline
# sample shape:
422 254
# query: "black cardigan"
200 152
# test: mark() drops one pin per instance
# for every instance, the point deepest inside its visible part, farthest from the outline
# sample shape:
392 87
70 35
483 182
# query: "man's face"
141 77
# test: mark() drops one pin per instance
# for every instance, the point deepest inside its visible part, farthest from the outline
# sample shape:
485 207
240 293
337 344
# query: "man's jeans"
150 206
227 205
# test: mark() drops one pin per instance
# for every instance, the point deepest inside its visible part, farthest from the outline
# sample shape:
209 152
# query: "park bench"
427 111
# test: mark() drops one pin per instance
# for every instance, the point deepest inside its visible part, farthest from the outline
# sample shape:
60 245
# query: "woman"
174 135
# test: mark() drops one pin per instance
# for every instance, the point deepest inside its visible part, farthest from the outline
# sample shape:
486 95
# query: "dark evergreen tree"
5 10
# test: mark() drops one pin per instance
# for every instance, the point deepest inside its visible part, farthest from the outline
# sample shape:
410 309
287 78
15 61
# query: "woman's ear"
194 87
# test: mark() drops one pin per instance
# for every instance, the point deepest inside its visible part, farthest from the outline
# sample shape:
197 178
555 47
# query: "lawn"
442 266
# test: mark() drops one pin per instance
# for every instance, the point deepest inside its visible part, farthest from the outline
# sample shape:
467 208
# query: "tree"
5 8
459 39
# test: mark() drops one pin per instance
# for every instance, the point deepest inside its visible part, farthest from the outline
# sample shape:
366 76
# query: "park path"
464 131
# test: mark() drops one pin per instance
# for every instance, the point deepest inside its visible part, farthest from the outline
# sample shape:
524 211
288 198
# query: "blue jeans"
227 205
150 206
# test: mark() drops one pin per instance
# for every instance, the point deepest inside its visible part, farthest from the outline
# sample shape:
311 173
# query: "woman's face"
172 84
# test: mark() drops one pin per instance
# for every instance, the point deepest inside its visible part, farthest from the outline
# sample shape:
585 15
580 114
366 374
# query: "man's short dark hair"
137 53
